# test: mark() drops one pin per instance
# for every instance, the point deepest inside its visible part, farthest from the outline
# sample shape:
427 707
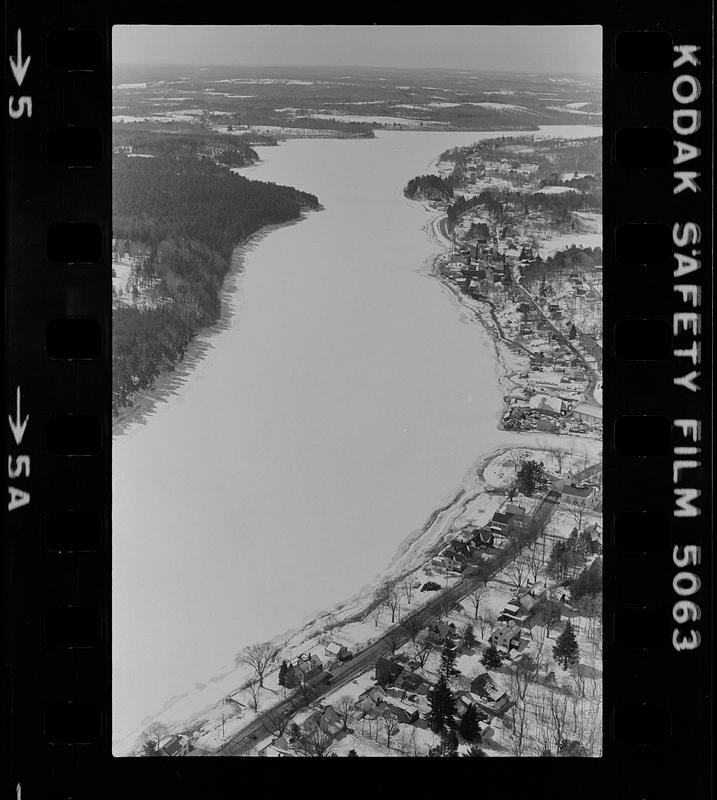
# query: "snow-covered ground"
549 247
555 190
383 120
561 461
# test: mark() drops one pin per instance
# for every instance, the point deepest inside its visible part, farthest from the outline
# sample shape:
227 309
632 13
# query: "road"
593 374
242 741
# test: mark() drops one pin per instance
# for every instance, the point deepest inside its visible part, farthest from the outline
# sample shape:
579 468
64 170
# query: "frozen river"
341 404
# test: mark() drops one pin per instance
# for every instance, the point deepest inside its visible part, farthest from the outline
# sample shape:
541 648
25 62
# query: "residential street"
242 741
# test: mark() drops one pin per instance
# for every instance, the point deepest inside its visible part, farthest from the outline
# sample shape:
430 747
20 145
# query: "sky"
551 49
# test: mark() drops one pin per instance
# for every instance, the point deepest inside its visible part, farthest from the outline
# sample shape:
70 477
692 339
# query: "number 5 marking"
24 104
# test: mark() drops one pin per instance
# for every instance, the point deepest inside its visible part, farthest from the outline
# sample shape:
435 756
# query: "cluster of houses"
135 253
517 618
563 359
556 382
306 667
472 545
174 745
399 695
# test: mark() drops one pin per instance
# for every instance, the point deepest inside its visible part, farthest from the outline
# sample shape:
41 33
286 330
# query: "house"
547 404
547 425
403 709
448 563
514 614
514 508
532 595
326 719
174 746
305 668
377 702
500 521
545 378
467 535
577 494
590 415
414 699
488 696
486 538
520 609
369 700
505 636
336 650
387 670
274 748
409 681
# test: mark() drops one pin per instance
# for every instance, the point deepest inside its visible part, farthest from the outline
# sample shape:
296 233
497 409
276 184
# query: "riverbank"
171 379
509 362
266 502
349 621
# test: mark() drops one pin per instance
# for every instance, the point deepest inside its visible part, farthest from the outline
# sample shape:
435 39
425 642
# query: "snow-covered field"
555 190
549 247
560 461
383 120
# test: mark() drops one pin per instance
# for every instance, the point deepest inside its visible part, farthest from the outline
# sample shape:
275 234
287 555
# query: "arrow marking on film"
18 68
17 427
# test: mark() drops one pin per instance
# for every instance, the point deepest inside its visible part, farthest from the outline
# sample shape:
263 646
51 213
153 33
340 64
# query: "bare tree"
275 724
317 743
390 720
558 713
382 592
393 601
445 605
517 574
393 640
423 646
487 620
408 588
412 627
520 679
308 692
516 457
344 707
577 511
155 732
533 560
543 732
254 689
376 614
476 597
559 458
258 657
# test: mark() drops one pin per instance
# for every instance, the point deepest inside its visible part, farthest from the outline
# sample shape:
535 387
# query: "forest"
234 151
430 187
190 213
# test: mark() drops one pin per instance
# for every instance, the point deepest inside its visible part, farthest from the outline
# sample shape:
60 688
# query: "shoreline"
171 379
415 549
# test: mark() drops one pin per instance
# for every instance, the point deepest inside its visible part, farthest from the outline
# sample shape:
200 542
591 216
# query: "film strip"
657 135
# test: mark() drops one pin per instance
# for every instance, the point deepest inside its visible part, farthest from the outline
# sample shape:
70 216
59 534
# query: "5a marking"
18 466
23 105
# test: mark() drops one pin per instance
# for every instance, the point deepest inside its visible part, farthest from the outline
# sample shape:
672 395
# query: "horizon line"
345 66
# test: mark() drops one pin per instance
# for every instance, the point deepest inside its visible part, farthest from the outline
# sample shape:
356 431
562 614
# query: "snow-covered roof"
546 402
588 410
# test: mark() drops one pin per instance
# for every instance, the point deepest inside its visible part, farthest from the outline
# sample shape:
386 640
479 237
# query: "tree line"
190 213
431 187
